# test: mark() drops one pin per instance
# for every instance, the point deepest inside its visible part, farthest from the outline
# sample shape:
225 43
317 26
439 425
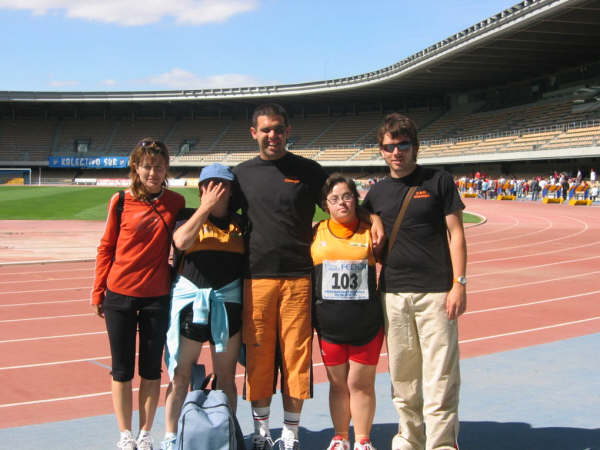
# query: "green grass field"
81 202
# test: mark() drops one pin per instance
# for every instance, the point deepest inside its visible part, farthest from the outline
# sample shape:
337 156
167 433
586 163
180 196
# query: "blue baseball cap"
216 171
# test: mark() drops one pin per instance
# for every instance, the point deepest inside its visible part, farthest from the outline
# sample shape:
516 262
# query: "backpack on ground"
207 421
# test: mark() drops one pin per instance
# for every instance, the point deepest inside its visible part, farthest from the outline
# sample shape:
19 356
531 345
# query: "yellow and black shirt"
216 258
347 309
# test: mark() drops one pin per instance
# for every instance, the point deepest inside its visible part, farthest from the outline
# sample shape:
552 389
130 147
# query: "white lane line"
45 280
49 271
44 303
530 255
100 394
528 268
39 338
69 361
60 399
463 341
497 288
89 287
498 308
531 330
68 316
537 302
47 261
586 227
549 225
55 363
504 226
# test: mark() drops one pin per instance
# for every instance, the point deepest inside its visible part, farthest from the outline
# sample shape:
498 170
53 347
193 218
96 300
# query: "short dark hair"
397 125
270 109
330 182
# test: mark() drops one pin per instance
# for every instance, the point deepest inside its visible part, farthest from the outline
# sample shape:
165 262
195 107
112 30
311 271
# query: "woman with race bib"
347 312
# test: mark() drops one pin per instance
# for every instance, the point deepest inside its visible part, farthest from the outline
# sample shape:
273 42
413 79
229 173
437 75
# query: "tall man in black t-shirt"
424 289
279 191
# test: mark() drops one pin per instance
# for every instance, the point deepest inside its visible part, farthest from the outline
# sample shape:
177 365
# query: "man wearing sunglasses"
424 289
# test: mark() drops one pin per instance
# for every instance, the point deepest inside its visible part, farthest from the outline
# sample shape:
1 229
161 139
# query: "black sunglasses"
150 143
400 146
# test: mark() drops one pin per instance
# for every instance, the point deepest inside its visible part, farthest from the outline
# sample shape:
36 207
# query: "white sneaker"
339 443
168 444
287 443
364 446
145 442
260 442
127 442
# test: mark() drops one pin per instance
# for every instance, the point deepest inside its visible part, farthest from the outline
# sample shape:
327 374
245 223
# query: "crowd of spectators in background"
529 188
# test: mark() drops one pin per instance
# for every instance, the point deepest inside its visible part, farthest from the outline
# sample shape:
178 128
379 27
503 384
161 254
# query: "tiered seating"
461 147
97 131
537 115
203 132
307 153
236 139
202 158
336 154
306 129
237 157
530 141
26 140
433 149
495 144
421 116
576 137
130 132
348 129
368 153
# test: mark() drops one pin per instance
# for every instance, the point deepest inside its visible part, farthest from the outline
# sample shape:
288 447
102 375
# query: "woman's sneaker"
364 444
127 442
339 443
168 444
145 442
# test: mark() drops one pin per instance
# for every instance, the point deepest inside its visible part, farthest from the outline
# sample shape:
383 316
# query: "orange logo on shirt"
291 180
422 194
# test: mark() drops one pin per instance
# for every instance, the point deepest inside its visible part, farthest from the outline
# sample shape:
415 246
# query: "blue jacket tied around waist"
204 301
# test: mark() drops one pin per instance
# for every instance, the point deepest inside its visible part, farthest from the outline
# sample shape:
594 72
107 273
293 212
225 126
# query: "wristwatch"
461 280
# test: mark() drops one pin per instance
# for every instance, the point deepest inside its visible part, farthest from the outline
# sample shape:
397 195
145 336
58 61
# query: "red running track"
532 271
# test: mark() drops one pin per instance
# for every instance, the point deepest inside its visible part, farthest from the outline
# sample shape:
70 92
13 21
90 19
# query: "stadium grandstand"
517 93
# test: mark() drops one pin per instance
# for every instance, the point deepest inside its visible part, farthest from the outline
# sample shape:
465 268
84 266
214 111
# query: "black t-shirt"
279 199
419 260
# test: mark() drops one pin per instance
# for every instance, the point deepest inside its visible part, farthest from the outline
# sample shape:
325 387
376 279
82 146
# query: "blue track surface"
545 397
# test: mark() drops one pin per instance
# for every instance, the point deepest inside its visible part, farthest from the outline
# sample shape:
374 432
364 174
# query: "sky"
140 45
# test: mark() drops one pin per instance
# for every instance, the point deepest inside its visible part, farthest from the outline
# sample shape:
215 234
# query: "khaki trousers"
424 369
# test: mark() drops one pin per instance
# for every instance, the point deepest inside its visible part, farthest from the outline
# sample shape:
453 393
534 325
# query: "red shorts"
336 354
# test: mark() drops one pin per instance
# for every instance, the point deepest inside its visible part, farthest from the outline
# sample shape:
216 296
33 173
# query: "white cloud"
63 83
108 82
182 79
138 12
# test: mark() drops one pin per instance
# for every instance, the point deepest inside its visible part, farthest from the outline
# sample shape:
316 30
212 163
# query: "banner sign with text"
101 162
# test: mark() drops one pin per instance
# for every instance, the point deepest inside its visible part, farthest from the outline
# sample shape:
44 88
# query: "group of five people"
267 278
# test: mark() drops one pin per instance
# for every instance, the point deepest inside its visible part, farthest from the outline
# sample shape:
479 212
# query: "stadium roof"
534 38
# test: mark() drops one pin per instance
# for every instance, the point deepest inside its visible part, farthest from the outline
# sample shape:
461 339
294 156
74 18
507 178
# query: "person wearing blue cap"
207 293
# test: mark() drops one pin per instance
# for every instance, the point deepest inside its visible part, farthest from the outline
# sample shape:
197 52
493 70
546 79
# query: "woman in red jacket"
132 285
